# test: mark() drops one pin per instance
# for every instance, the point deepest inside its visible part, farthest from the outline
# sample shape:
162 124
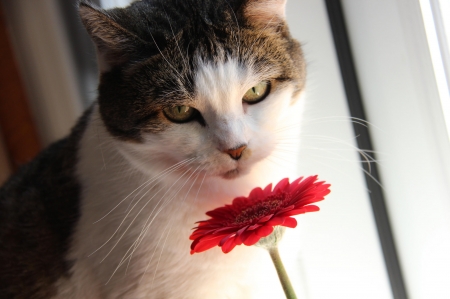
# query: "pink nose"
236 153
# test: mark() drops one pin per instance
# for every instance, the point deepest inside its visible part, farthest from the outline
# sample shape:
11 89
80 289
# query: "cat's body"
117 206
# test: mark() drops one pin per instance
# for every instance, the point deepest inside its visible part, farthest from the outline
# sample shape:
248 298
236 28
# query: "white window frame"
402 99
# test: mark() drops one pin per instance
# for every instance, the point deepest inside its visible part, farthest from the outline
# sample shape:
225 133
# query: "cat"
194 99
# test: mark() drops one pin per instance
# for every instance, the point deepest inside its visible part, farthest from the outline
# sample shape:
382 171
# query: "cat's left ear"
265 12
115 44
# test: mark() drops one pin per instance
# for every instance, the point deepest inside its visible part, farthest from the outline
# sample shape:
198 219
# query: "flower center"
260 209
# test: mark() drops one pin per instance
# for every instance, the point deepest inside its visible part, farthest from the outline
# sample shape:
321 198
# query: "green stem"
284 278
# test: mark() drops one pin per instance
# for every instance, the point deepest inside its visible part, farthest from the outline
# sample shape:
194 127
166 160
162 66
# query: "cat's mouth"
232 174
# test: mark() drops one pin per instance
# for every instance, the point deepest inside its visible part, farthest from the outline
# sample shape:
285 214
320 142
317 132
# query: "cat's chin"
232 174
235 173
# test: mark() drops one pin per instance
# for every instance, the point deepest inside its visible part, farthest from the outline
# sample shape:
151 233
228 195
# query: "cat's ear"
265 12
115 44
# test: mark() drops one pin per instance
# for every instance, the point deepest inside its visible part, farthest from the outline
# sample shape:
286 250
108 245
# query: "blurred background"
400 48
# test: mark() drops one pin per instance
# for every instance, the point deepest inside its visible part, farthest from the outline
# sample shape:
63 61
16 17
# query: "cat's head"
205 82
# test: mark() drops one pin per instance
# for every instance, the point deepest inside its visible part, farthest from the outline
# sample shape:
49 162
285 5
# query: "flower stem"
282 275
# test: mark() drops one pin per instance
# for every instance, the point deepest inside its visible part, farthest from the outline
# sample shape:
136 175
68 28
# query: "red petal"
284 210
281 185
200 245
222 241
265 218
268 190
239 232
208 238
229 245
311 208
225 230
302 210
295 183
305 185
203 233
243 237
290 222
275 221
256 193
264 231
239 202
254 226
307 200
252 239
222 212
203 247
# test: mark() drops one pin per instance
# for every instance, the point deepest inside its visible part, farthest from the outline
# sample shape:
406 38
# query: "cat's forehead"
219 85
190 25
187 69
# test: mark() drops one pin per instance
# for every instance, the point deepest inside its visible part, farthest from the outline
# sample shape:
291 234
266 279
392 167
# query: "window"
404 103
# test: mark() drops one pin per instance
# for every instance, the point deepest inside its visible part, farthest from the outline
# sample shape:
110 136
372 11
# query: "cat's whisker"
154 251
130 204
293 142
277 157
156 206
239 29
149 181
365 171
339 120
186 63
331 158
368 158
298 149
192 185
307 122
164 57
334 169
272 159
160 254
201 184
187 193
365 155
343 118
302 146
164 175
288 142
126 216
259 36
368 173
165 203
287 127
139 240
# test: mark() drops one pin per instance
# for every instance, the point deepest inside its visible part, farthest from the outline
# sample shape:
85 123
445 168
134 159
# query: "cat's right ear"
265 13
115 44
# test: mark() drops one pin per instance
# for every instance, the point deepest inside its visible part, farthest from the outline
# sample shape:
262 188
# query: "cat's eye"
180 114
257 93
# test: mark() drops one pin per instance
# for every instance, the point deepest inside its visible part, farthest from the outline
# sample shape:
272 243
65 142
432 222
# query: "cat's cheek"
262 145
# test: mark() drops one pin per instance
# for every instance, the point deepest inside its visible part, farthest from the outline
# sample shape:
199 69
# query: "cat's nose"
236 153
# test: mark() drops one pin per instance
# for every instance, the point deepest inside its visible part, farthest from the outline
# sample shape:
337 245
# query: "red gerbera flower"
251 218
